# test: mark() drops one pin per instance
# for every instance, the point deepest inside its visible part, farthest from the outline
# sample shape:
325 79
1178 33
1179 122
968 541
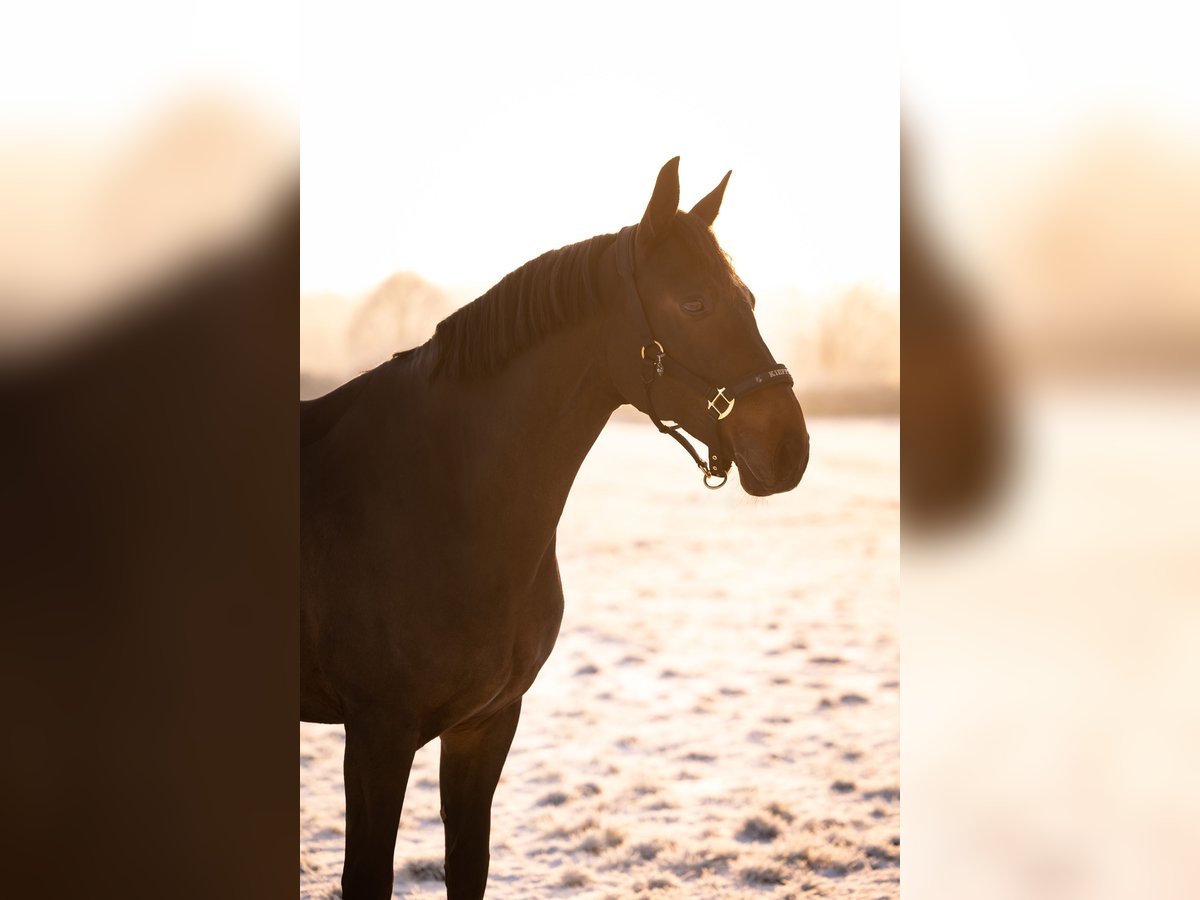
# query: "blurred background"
1051 357
149 226
122 166
1051 208
444 146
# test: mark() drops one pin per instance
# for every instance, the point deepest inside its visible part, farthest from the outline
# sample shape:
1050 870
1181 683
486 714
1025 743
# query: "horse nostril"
803 456
791 458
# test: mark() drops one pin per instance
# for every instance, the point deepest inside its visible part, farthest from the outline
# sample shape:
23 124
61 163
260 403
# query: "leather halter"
657 364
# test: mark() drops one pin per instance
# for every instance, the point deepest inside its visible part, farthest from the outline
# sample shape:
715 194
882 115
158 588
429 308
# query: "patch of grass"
655 884
882 857
781 812
693 865
575 878
831 862
660 805
554 798
595 844
757 829
647 851
425 870
888 794
763 875
563 833
826 824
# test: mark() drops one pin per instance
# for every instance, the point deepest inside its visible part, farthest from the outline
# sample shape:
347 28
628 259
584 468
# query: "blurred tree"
400 313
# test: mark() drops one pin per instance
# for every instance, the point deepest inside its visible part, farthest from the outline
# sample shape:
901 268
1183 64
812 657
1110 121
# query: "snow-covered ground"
720 717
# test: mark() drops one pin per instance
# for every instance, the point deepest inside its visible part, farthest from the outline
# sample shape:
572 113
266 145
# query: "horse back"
319 416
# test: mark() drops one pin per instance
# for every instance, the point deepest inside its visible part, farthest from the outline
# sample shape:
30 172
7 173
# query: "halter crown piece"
657 364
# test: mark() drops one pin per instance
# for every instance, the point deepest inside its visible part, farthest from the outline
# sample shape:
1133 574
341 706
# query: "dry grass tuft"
694 865
425 870
554 798
575 878
781 812
765 875
758 829
595 844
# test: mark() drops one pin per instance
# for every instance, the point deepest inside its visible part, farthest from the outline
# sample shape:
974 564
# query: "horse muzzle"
763 471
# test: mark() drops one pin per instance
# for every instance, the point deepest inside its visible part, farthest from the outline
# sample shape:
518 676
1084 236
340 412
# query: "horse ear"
664 204
708 208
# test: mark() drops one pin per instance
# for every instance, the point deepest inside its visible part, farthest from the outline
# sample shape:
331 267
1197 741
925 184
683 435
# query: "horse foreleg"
378 758
472 757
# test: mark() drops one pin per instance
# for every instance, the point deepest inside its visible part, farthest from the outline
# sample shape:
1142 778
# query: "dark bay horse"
431 490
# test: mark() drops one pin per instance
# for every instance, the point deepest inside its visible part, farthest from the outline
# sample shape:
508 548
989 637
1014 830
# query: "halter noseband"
656 363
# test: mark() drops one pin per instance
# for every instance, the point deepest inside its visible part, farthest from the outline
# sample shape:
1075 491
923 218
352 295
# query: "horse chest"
508 641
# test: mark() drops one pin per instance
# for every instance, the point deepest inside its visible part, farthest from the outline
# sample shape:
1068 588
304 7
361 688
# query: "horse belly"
432 641
318 699
503 666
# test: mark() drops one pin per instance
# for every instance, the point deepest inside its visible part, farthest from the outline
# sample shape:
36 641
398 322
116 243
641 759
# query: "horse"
432 486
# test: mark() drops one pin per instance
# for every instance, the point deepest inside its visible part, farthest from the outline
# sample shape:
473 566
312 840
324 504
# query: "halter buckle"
714 410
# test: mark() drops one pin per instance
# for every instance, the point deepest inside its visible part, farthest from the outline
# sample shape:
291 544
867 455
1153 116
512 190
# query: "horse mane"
526 306
541 297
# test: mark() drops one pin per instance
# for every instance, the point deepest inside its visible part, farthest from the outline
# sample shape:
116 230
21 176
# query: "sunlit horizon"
402 169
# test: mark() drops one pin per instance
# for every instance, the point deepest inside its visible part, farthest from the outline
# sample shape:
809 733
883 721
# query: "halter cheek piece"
657 364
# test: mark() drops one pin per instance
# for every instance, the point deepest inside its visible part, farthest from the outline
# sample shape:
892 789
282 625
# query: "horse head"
684 346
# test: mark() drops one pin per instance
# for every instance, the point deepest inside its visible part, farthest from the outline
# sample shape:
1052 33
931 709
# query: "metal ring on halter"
658 358
712 487
661 351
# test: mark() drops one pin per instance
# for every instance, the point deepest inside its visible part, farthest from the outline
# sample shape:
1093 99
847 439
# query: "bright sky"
995 90
1025 68
460 140
78 66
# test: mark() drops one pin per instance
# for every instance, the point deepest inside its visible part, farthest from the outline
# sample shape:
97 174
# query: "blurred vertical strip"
955 441
1051 394
149 274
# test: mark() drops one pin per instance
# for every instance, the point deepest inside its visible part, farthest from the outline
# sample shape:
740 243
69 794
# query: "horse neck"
524 432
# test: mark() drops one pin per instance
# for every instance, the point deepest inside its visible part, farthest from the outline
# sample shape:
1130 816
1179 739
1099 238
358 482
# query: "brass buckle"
720 395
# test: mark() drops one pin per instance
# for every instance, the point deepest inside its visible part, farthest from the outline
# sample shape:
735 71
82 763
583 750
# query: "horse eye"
693 305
